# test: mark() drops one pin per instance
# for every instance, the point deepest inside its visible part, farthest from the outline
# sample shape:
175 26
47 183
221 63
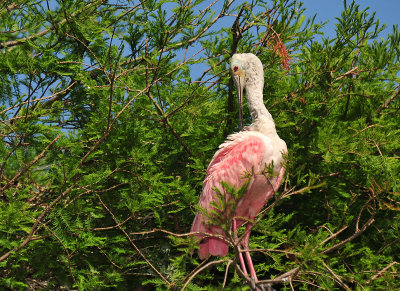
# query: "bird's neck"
262 119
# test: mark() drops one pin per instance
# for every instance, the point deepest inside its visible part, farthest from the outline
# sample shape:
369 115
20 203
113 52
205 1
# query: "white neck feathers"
262 119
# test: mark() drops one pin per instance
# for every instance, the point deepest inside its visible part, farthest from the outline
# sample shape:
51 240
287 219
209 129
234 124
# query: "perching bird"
251 150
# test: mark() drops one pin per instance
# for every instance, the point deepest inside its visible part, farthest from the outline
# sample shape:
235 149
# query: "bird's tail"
212 246
209 246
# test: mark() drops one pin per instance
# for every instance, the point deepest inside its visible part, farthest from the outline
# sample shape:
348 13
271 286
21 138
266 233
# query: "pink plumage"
246 151
252 150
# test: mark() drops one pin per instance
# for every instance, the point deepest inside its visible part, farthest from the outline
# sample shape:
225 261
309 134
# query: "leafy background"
111 112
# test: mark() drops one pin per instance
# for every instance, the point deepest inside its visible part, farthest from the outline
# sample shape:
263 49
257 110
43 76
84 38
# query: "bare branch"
284 278
337 279
203 268
381 272
390 99
349 239
226 273
333 235
349 72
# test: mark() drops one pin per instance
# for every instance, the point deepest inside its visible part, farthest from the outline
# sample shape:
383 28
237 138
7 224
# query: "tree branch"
349 239
34 228
203 268
20 173
390 99
381 272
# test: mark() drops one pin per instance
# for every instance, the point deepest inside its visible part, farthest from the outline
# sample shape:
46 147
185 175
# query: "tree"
111 111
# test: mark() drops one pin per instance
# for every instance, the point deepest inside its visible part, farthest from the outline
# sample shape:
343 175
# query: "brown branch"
285 277
164 231
349 72
20 173
193 271
390 99
12 43
259 285
226 273
12 7
244 276
382 272
333 235
111 227
337 278
202 268
352 237
272 251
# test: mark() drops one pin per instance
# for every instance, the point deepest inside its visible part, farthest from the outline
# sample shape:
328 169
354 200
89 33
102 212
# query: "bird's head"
246 69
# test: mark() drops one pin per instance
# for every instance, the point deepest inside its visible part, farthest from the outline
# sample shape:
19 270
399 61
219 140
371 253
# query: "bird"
254 149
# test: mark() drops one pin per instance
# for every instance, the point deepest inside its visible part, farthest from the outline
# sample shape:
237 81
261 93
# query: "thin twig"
39 99
381 272
355 235
390 99
63 245
285 277
132 243
341 283
20 173
202 268
226 273
333 235
38 220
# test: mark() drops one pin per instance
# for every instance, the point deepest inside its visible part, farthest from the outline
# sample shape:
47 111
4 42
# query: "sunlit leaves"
141 115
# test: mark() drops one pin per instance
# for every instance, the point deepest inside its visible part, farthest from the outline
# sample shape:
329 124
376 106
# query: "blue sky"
387 11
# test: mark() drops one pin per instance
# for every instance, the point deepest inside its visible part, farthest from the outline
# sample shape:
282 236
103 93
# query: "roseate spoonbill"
251 150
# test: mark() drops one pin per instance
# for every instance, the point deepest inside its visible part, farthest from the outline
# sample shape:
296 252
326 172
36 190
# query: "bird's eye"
235 68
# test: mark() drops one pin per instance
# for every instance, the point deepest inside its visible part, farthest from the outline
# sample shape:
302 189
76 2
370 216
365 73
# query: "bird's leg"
245 243
235 237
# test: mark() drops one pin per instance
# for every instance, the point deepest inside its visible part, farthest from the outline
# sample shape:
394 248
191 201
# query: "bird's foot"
260 287
265 287
253 283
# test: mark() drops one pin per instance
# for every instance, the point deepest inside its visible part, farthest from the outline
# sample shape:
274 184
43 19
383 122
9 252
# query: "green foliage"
225 202
110 113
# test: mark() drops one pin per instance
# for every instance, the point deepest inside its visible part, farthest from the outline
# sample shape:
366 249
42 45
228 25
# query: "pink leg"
245 243
242 265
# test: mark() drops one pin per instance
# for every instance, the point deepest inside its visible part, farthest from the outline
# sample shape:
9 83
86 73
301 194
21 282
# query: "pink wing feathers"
244 152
